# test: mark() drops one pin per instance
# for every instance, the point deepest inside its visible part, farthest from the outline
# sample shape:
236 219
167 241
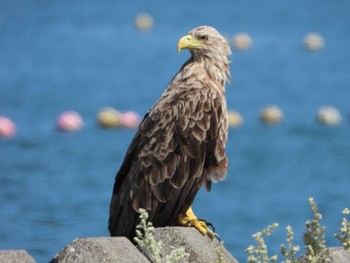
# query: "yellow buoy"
271 115
235 119
109 117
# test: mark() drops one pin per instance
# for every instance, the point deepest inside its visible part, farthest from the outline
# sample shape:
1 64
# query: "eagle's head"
210 50
205 41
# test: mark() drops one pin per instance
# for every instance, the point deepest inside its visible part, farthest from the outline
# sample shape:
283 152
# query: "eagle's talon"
208 224
217 237
190 220
212 235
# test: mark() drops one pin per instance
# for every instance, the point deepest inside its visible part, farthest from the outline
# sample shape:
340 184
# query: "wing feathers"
162 190
178 147
181 174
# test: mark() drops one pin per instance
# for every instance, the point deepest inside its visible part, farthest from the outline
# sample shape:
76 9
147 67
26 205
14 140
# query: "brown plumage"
180 144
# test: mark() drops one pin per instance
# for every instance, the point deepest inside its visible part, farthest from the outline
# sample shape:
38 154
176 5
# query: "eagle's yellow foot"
201 225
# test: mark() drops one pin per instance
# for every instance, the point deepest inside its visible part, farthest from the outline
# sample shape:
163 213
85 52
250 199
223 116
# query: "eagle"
179 145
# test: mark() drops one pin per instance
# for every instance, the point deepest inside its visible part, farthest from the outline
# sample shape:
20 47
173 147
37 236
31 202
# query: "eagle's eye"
204 37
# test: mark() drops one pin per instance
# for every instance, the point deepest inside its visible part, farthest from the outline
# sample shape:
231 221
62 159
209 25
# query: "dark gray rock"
15 256
100 249
201 249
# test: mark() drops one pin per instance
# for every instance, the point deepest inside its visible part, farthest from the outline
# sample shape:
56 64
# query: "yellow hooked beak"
188 42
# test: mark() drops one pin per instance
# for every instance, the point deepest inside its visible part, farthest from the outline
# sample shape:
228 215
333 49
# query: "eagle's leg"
190 219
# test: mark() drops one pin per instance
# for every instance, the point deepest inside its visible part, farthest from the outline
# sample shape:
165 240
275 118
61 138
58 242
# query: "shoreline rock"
201 249
100 249
121 250
16 256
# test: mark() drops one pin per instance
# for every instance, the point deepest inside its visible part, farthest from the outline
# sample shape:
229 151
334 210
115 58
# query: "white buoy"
271 115
242 41
329 115
144 22
313 41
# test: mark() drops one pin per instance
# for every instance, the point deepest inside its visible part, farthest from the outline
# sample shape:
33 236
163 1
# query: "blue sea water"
85 55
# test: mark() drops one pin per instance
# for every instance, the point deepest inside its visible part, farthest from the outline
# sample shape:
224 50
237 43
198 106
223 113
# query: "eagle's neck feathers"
204 69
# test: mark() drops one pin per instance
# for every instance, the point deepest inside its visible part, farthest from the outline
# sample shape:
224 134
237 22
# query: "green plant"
146 241
344 231
289 251
259 254
314 239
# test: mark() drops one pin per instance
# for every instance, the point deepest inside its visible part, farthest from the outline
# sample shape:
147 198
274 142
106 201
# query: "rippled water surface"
84 55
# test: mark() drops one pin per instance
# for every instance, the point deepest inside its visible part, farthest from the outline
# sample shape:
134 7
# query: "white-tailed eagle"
180 144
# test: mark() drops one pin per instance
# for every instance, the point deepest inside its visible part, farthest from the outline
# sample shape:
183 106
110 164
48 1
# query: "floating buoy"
242 41
144 22
235 119
109 117
329 115
313 41
271 115
130 119
7 127
69 121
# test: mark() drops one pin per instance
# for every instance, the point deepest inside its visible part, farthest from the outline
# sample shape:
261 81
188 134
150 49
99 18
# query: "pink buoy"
69 121
7 127
130 119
